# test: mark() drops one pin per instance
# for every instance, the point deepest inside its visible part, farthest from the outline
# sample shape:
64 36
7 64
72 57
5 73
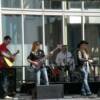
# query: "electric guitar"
8 61
41 61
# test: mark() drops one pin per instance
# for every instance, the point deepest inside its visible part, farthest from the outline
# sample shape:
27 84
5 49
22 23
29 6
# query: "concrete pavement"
69 97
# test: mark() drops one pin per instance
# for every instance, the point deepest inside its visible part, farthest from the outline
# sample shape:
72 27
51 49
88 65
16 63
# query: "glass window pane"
74 19
11 3
32 32
11 25
74 29
53 4
92 4
73 4
53 32
33 29
92 28
32 4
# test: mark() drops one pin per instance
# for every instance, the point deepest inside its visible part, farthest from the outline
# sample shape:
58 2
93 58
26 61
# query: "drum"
55 72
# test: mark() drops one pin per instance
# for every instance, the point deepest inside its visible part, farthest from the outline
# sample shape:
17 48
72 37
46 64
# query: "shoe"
12 94
91 95
8 97
83 93
47 84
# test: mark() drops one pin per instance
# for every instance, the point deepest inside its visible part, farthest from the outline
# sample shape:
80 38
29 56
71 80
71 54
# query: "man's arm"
58 62
8 55
5 54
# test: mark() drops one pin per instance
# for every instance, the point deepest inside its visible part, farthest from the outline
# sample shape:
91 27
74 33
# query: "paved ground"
71 97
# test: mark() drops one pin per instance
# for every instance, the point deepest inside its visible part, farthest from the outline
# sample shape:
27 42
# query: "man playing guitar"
4 52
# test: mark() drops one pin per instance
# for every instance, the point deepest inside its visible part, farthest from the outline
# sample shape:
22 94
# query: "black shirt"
36 55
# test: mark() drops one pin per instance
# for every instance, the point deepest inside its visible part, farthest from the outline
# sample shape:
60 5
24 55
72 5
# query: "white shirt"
84 58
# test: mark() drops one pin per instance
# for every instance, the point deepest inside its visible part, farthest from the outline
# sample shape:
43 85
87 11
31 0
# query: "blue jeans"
4 83
85 89
42 71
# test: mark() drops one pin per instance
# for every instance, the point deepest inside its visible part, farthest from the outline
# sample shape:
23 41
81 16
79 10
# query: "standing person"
65 60
83 58
36 59
4 52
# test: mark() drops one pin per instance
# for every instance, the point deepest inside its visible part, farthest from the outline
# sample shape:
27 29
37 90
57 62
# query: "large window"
53 32
73 4
11 25
74 29
11 3
32 32
89 4
33 4
53 4
33 29
92 35
92 28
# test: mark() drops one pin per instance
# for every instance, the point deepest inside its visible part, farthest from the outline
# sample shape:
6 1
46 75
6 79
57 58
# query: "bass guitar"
41 61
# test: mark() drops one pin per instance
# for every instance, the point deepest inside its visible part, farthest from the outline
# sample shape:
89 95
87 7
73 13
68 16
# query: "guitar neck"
15 53
50 53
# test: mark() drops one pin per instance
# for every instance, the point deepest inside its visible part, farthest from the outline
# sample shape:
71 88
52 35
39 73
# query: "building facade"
50 22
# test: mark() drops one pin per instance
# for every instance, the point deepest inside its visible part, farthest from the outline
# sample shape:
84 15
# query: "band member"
37 61
83 61
4 52
65 60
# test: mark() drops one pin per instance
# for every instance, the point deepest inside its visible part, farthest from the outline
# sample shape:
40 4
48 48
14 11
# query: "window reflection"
11 3
74 19
11 25
74 4
92 28
53 4
92 4
32 32
53 31
74 31
33 29
33 4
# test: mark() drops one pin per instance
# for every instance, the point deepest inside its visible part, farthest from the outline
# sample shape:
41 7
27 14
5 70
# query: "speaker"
48 92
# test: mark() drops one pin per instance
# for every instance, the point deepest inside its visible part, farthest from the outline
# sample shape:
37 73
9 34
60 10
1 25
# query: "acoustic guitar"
9 62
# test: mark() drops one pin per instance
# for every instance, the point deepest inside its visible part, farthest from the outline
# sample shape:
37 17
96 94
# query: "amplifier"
48 92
